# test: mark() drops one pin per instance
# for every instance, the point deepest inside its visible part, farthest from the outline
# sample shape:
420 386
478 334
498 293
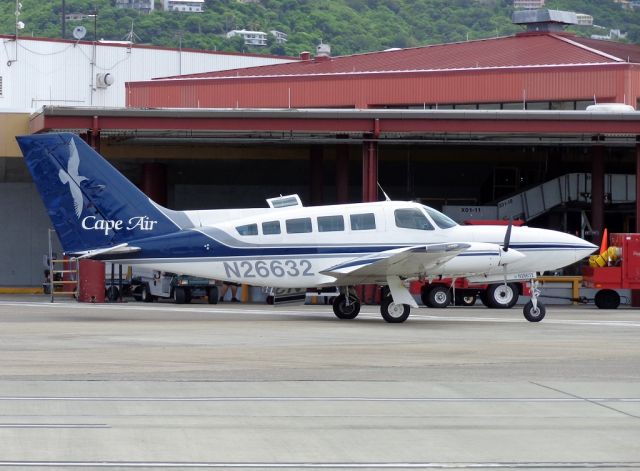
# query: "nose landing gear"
534 311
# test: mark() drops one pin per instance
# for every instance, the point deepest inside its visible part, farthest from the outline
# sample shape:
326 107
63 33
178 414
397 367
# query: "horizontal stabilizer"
117 249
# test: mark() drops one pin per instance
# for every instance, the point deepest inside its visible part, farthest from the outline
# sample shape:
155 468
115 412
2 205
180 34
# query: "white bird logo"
72 178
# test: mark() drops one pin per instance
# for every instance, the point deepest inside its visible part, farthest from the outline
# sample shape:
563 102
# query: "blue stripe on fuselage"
192 244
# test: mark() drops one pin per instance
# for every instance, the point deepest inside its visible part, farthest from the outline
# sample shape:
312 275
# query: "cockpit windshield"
442 221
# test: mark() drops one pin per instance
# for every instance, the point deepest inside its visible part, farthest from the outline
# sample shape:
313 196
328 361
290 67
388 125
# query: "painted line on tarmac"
328 465
54 426
270 310
565 399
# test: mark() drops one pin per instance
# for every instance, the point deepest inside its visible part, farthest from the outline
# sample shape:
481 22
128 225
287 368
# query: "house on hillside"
191 6
145 6
251 38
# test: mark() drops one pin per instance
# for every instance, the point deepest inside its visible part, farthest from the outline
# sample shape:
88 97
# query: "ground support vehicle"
443 292
182 289
117 281
617 267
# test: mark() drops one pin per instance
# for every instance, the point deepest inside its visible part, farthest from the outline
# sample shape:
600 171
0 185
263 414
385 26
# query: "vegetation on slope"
349 26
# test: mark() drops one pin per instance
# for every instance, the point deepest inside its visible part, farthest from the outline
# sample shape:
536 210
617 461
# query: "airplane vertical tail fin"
90 203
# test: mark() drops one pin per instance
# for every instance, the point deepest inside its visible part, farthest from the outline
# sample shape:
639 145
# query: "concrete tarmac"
161 386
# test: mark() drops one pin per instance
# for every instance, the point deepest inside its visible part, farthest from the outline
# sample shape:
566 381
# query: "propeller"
507 236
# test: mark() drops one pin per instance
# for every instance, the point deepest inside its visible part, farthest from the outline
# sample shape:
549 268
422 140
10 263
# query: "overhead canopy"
344 125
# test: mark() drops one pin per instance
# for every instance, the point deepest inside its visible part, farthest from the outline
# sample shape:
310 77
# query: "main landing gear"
347 306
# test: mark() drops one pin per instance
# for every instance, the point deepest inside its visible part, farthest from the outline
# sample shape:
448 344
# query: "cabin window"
271 227
298 226
363 222
247 229
441 220
412 218
330 223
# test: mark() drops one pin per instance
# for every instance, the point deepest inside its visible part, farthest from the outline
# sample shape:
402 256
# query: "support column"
367 293
369 171
154 182
635 293
316 178
597 192
638 184
94 135
342 174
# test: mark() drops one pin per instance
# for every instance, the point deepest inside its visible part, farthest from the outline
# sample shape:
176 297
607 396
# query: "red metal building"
539 70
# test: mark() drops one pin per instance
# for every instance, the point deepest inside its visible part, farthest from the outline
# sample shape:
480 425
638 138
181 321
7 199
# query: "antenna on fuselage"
386 197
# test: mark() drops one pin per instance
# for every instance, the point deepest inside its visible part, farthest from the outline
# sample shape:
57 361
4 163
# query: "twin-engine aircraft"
98 213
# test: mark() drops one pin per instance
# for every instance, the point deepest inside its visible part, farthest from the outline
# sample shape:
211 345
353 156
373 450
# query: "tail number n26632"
267 268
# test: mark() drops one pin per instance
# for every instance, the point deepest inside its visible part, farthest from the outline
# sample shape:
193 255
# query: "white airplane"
99 214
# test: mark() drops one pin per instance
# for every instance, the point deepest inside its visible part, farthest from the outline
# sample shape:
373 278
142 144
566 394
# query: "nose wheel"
534 311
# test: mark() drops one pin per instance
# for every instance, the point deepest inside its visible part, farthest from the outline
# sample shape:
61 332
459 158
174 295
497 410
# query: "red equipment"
621 270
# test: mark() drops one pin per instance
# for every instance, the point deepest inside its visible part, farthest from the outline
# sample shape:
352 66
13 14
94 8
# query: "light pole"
64 19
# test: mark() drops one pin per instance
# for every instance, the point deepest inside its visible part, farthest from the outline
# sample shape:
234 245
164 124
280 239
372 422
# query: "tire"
439 297
607 299
424 294
531 315
212 295
145 294
179 295
501 296
465 299
484 298
342 311
392 312
112 293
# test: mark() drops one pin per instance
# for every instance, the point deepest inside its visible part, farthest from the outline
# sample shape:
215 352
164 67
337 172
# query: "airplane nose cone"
585 249
510 256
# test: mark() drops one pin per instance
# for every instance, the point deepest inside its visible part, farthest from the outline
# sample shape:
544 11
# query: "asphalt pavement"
164 386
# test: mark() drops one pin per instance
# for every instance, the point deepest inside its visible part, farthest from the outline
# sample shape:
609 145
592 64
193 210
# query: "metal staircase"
531 203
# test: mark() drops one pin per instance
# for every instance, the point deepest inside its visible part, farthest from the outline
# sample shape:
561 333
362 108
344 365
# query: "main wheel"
484 299
439 297
607 299
179 295
342 311
212 295
112 293
462 299
392 312
145 294
534 315
501 296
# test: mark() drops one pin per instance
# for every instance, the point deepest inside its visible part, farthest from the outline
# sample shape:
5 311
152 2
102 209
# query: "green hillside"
349 26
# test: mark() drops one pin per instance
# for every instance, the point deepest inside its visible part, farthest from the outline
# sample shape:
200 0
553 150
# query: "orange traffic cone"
604 245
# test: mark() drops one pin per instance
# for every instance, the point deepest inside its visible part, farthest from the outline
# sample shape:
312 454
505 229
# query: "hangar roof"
523 50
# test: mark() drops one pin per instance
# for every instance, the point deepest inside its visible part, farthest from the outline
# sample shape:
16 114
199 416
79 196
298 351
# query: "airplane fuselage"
295 247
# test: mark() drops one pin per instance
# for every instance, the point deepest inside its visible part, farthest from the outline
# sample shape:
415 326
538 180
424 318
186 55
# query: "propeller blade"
507 236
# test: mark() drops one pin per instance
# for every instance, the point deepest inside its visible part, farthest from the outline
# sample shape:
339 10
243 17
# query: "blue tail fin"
91 205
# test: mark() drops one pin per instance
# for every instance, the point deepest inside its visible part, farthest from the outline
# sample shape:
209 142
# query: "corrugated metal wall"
607 83
38 72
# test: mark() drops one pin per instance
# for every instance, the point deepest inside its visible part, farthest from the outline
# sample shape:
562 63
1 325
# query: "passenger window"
330 223
298 226
363 222
271 227
412 219
247 230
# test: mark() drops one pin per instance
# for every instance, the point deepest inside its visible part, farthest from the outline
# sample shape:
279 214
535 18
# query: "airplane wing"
406 262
